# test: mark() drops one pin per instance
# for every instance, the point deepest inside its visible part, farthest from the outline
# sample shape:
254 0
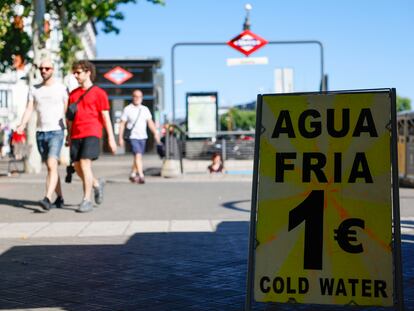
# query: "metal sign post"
399 289
181 44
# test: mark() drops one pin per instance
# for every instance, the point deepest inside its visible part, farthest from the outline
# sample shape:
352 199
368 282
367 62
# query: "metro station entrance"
120 77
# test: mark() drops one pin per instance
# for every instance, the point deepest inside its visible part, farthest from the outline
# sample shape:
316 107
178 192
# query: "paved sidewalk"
171 244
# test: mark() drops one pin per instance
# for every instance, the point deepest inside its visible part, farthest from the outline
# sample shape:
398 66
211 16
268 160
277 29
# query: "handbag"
73 108
127 131
161 150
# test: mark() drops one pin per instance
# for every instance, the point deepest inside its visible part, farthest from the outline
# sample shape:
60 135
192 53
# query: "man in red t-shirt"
86 130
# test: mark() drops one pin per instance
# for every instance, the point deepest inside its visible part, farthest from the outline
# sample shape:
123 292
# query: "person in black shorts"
85 148
91 116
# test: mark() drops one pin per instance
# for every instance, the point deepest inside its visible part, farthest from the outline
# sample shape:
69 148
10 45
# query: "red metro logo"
118 75
247 42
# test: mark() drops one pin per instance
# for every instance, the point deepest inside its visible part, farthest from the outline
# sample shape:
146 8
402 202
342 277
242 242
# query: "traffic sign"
247 42
324 202
118 75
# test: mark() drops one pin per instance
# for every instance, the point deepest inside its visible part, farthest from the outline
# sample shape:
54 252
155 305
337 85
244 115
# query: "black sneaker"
59 202
99 191
45 204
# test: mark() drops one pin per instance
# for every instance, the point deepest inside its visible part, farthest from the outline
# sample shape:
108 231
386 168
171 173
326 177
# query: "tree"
13 40
237 119
73 17
403 103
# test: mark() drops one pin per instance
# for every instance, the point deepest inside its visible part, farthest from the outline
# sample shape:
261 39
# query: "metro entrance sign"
118 75
247 42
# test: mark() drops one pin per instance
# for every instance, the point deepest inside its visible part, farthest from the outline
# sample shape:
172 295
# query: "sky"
366 44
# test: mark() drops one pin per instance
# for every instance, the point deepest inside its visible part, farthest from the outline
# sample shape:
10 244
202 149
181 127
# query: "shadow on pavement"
26 204
233 205
151 271
152 171
33 206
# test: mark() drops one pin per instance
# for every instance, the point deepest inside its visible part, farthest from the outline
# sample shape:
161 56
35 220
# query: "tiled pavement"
160 265
169 270
144 271
25 230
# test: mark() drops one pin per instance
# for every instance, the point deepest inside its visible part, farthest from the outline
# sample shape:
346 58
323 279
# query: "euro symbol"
343 235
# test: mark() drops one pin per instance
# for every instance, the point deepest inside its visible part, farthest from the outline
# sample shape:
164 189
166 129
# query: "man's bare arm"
153 129
26 116
121 133
109 130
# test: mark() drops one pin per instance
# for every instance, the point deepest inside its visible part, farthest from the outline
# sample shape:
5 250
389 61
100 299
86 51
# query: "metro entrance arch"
323 86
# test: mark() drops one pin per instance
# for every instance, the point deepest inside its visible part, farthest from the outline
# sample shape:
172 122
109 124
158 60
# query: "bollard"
170 168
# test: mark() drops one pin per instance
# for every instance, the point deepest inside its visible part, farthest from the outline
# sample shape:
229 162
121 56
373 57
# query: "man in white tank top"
49 99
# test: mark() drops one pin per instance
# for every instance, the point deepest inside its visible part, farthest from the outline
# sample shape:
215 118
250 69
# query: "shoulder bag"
73 108
127 131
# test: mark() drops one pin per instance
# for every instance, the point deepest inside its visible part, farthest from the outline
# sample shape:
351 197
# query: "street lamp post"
246 24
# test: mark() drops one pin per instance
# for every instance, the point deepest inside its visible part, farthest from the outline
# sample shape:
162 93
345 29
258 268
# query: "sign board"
247 61
202 115
324 202
283 80
118 75
247 42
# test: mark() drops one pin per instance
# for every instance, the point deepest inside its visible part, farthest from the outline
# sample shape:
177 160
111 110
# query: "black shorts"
84 148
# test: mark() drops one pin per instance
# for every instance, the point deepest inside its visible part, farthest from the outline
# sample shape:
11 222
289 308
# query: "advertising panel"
202 118
324 201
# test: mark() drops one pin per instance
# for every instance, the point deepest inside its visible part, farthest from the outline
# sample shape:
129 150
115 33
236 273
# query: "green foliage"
403 103
236 119
13 41
73 16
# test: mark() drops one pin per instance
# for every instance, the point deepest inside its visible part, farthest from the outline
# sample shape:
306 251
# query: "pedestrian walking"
88 118
2 139
49 99
134 120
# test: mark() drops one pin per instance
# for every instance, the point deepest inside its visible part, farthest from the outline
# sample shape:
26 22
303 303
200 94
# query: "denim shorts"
138 145
49 144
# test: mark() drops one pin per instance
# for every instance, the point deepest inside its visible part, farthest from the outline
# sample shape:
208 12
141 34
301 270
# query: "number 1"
311 212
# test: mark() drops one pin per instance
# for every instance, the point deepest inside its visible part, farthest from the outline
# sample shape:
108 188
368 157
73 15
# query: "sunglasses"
45 68
78 72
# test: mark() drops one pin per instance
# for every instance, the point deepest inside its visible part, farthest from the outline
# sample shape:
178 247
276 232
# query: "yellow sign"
324 207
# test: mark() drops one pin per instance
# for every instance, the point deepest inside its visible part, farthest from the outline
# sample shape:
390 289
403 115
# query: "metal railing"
229 144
